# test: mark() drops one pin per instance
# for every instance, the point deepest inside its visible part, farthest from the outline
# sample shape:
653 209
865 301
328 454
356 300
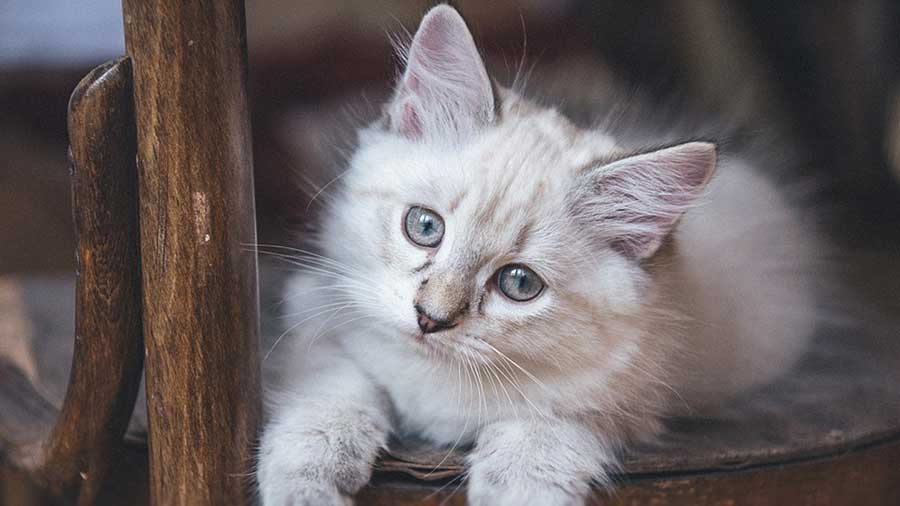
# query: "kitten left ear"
445 88
636 202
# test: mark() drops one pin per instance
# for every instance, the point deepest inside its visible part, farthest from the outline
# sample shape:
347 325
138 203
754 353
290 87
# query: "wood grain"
866 477
24 415
201 320
108 350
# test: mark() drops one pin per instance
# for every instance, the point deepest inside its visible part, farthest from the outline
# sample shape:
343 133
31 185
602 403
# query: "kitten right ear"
635 202
445 90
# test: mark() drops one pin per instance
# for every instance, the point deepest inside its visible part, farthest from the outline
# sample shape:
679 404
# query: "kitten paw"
327 478
305 494
314 466
518 462
483 491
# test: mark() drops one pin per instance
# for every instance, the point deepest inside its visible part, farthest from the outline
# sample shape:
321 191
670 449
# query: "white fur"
548 390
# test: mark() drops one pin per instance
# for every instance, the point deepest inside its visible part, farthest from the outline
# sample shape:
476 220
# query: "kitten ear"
445 88
637 201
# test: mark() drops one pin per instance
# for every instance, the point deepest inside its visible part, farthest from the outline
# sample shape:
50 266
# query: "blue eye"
519 283
424 227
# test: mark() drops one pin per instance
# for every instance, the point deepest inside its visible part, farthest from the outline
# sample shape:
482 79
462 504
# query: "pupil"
427 225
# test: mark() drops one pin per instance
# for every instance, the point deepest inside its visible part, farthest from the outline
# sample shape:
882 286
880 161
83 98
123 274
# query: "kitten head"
474 223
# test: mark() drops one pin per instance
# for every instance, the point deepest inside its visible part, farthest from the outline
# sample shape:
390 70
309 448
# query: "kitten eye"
424 227
519 283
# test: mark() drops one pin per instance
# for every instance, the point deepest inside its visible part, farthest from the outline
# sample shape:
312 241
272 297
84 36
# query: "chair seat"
839 407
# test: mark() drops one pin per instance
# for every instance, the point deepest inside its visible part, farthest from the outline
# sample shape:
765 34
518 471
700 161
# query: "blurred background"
827 74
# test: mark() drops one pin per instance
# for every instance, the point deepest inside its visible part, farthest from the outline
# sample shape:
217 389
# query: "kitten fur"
675 277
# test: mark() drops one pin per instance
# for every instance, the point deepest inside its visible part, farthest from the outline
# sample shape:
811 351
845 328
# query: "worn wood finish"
108 351
867 477
24 414
197 218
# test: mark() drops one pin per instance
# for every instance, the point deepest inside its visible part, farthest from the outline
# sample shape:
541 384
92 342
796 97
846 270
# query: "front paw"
312 466
298 493
487 490
534 462
320 470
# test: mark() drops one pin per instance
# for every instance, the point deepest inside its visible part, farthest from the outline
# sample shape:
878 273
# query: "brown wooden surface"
24 414
108 350
197 216
73 459
868 477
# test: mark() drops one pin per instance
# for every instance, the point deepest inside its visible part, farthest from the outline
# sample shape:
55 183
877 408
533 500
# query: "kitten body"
666 288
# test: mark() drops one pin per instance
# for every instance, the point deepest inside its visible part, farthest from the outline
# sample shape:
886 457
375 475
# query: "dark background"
824 73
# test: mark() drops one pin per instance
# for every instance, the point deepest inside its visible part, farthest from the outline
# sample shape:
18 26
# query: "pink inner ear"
445 85
411 83
409 122
436 31
639 199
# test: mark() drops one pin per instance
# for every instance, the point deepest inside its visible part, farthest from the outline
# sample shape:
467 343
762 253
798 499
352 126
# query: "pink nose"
428 324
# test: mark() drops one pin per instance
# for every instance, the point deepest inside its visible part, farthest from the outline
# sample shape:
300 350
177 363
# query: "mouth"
447 346
431 345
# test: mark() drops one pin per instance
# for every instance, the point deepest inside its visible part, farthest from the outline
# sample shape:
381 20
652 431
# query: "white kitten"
492 274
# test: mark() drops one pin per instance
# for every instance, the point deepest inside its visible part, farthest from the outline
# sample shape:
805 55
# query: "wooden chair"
163 208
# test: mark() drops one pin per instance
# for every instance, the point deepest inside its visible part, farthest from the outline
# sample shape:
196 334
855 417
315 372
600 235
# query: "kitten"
492 274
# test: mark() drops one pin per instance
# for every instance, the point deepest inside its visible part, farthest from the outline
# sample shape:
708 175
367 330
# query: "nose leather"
428 325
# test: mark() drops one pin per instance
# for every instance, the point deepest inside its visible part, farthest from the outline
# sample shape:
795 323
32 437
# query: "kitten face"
505 198
518 203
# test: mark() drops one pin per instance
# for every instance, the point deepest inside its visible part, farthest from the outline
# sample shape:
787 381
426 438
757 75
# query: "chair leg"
198 230
108 352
